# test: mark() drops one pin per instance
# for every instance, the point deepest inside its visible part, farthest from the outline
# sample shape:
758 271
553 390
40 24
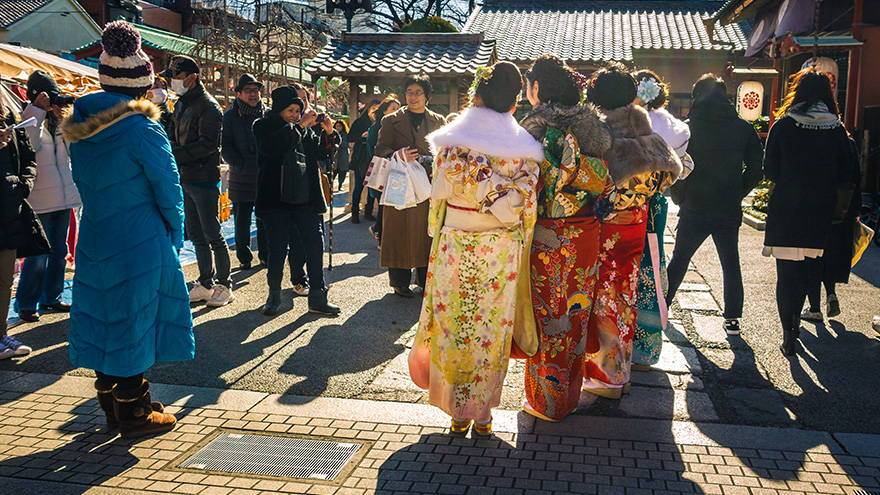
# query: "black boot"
318 304
273 303
137 418
790 336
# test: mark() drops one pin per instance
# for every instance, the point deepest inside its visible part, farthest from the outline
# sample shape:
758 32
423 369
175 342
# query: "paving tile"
710 328
697 301
678 359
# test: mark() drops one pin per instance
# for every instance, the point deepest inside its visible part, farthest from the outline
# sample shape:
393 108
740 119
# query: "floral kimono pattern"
470 306
648 339
575 188
613 323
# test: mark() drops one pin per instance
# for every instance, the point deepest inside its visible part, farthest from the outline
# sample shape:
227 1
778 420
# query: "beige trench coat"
405 241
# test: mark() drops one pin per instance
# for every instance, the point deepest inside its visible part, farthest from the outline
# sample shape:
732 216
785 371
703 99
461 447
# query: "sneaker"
221 296
325 309
373 232
200 293
18 349
833 306
300 290
5 352
404 292
57 307
875 323
811 315
29 316
731 326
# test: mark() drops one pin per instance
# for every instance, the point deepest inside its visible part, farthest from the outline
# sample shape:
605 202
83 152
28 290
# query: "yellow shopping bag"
861 241
224 207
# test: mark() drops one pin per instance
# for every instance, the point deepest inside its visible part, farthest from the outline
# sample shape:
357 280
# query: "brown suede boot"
105 400
137 417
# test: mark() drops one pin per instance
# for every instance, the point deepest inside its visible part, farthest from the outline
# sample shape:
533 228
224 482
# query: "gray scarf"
814 117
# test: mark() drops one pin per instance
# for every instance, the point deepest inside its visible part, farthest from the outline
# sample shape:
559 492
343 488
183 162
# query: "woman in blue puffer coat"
130 302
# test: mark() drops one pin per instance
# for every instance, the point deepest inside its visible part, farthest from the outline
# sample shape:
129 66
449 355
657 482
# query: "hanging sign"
750 100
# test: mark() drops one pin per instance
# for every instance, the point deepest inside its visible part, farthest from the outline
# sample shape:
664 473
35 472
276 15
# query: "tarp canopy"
17 62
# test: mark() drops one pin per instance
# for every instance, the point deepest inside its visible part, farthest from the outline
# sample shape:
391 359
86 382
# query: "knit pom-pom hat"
124 67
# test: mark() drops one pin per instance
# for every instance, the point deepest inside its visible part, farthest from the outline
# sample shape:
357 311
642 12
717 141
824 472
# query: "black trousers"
243 211
689 238
818 278
792 279
123 383
402 277
299 229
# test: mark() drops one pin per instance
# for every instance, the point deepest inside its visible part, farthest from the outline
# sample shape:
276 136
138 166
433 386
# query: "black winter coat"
195 136
727 156
814 176
240 152
19 227
287 159
360 154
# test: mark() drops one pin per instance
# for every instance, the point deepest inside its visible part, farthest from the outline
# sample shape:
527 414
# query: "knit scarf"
246 110
814 117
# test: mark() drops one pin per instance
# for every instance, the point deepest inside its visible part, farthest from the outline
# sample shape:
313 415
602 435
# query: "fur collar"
487 131
636 148
582 121
93 124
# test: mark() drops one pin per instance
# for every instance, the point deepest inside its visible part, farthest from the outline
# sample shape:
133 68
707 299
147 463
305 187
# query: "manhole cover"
267 455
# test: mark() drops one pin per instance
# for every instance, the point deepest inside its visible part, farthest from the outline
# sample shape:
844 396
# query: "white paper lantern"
750 100
827 66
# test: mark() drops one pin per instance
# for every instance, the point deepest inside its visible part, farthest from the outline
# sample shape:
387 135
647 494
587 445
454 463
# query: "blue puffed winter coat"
130 303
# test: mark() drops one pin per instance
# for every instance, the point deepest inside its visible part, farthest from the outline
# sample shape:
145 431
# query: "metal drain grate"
267 455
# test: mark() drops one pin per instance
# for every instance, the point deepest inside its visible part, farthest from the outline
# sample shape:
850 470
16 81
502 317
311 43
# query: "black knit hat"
283 97
124 67
247 80
41 82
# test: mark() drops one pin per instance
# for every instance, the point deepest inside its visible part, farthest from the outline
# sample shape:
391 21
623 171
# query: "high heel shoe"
460 427
483 429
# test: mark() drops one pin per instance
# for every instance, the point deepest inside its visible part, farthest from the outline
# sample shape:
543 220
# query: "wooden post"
453 95
352 100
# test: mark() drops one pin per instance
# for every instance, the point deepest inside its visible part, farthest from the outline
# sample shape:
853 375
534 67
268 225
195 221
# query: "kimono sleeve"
155 156
447 170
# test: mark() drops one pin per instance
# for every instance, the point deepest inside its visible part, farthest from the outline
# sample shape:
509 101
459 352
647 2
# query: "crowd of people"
542 238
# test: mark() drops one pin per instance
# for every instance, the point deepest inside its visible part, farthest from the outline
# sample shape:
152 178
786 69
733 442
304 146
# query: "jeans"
689 238
243 212
42 277
7 267
302 231
792 278
203 226
402 277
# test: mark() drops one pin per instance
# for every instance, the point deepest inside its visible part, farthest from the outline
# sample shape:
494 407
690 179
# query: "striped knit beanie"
124 67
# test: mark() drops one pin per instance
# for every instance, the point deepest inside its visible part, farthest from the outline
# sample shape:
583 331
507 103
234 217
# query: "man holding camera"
195 140
53 198
290 201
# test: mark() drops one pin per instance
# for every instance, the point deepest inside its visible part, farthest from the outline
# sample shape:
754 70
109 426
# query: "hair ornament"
648 89
483 73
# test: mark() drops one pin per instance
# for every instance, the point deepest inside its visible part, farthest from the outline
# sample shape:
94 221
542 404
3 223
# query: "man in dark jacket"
240 152
290 201
195 141
20 231
727 154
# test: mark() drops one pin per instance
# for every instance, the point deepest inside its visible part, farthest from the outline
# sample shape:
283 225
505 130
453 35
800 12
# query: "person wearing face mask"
290 201
407 245
53 197
158 95
240 152
195 139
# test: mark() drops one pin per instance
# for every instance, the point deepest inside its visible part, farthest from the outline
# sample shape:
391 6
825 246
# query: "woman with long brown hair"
810 159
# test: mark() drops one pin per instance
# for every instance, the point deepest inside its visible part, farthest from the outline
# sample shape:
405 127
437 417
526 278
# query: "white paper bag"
421 184
377 173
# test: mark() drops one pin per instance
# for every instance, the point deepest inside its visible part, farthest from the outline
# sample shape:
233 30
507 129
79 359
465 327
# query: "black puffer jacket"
240 152
727 156
195 135
287 159
19 228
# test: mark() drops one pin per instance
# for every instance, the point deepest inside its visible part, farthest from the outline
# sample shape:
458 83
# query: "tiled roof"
585 30
433 54
11 11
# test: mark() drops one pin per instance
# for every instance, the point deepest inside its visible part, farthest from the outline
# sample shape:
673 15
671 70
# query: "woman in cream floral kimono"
477 291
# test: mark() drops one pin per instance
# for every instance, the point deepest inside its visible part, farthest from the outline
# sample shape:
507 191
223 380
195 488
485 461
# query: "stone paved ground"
52 441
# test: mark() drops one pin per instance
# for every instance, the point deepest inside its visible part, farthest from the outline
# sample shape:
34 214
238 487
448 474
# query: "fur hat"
124 67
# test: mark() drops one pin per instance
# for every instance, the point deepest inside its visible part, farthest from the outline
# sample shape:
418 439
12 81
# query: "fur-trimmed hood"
487 131
583 121
636 149
87 122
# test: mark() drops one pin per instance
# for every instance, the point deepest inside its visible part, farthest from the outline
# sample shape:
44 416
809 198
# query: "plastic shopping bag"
398 192
377 174
421 184
419 363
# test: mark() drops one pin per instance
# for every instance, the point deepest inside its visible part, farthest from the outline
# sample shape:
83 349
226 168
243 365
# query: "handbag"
326 189
861 240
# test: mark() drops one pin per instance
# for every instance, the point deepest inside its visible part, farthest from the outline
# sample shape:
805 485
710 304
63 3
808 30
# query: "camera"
321 118
62 100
